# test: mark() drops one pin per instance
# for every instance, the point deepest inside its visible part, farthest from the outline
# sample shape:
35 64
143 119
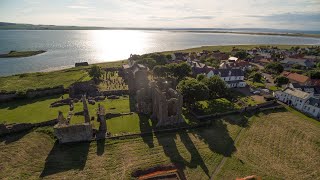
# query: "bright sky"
279 14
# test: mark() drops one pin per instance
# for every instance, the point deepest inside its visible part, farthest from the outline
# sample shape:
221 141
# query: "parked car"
256 92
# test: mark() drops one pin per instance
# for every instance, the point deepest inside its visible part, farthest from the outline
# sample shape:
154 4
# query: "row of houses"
303 98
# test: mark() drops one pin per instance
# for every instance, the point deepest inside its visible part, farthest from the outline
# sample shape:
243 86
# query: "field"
26 81
38 110
22 82
273 145
276 146
35 155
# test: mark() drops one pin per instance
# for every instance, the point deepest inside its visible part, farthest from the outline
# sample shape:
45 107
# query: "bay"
66 47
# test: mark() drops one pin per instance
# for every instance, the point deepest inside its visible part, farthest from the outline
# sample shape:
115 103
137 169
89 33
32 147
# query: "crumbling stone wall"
45 92
31 93
78 89
73 133
167 106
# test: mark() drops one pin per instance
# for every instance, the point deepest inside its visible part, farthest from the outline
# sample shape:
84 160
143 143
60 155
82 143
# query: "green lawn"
274 88
26 81
215 106
22 82
39 110
256 84
31 111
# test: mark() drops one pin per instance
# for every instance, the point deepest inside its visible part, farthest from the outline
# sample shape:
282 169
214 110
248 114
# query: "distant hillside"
255 31
5 25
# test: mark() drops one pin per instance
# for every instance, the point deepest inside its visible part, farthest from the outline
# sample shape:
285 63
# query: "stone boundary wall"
115 92
31 93
261 107
133 135
14 128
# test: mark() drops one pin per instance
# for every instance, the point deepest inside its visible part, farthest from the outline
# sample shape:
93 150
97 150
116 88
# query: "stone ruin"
89 88
66 132
161 101
158 98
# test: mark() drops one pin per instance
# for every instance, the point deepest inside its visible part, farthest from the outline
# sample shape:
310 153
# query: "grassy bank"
16 54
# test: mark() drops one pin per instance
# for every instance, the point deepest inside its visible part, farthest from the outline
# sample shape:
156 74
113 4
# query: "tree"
213 62
95 72
149 62
241 54
314 74
217 87
160 59
192 91
179 71
281 80
160 71
256 77
169 57
274 68
200 77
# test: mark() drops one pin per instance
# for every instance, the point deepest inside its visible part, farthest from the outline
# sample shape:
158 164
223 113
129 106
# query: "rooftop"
297 93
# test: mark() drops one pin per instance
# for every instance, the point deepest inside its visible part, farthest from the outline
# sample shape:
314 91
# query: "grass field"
34 155
26 81
215 106
39 110
277 146
273 145
22 82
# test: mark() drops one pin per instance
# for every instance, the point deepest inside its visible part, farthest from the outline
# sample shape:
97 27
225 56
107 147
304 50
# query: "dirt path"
217 170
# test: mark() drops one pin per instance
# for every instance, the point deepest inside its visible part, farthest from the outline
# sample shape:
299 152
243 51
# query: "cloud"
291 17
157 18
78 7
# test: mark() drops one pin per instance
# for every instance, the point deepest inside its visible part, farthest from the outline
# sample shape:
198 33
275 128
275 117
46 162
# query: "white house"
312 107
232 77
293 97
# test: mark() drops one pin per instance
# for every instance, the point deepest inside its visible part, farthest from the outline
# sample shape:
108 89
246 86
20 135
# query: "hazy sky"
281 14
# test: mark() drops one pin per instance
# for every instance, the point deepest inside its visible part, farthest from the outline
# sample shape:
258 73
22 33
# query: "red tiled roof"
296 77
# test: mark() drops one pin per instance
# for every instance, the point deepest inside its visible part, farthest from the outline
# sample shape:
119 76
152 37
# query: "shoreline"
20 54
289 34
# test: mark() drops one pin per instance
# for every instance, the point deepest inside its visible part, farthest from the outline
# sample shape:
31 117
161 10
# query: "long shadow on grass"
196 158
145 127
218 139
65 157
100 146
21 102
13 137
167 141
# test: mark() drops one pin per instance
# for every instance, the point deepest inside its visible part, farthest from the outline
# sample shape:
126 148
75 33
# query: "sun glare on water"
117 44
